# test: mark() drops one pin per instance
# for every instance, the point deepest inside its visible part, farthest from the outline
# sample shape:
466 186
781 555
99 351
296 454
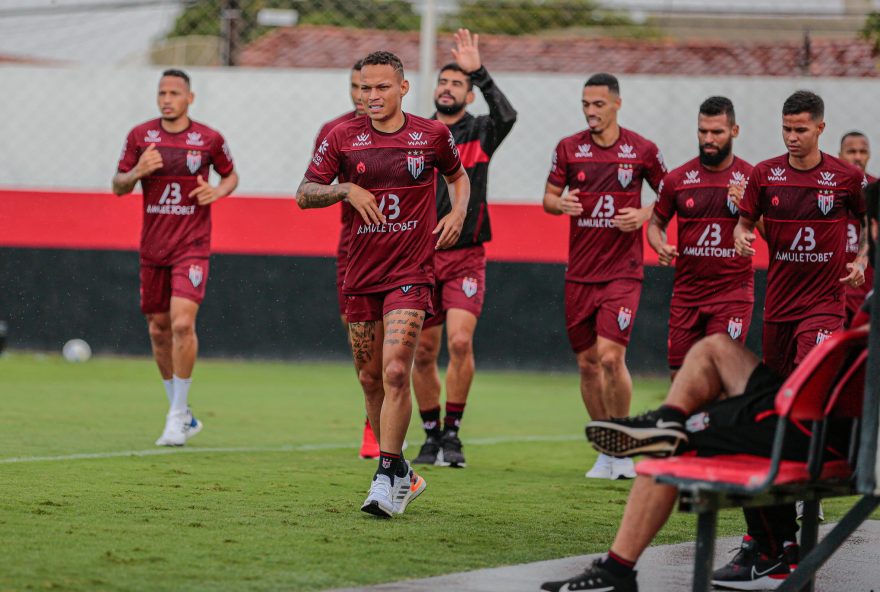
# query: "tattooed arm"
316 195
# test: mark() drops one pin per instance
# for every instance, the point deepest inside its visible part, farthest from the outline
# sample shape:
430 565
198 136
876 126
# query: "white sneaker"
799 506
602 469
406 489
378 501
175 429
192 426
622 468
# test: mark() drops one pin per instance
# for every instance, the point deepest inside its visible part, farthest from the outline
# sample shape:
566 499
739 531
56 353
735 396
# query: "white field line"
246 449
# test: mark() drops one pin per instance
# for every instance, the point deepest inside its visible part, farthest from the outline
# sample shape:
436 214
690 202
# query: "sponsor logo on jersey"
864 181
415 139
660 160
689 203
774 201
196 275
625 175
826 179
415 163
691 178
776 174
581 176
318 158
624 318
825 201
735 327
627 151
194 139
361 168
226 151
362 140
469 286
193 160
583 151
451 141
153 136
822 335
660 187
738 178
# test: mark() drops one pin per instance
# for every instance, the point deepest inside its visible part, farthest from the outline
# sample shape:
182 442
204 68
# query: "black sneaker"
450 453
595 578
792 554
428 453
750 570
647 434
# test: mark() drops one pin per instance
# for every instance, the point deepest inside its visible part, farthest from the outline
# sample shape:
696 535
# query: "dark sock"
452 421
391 464
431 421
673 413
617 565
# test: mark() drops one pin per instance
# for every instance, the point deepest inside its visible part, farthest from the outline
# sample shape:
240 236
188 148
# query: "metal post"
230 18
427 57
705 554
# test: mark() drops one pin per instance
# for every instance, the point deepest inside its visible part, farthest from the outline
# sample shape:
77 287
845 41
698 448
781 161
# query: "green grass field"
267 497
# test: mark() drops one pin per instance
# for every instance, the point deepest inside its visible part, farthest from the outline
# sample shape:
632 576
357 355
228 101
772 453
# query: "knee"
460 345
370 382
612 361
396 374
159 332
589 366
426 357
183 327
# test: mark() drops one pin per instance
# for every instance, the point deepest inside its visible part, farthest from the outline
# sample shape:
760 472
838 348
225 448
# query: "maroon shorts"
689 324
185 279
786 344
341 265
607 310
460 282
360 308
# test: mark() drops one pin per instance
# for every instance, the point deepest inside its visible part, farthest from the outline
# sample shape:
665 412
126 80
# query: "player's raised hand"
149 162
570 203
666 254
467 51
449 229
204 193
629 219
366 205
856 275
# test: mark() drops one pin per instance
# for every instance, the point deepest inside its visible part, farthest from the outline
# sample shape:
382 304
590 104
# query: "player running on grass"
369 445
385 164
713 290
603 167
171 157
461 269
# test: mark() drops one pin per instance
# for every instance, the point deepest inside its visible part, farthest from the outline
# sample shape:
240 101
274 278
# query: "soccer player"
369 445
460 270
603 167
855 149
172 157
385 164
713 291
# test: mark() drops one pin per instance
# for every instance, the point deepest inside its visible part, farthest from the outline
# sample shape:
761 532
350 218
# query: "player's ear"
404 88
469 97
192 97
821 126
734 130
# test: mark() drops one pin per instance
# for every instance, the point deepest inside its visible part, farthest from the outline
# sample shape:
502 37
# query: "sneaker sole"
375 509
616 440
763 583
194 431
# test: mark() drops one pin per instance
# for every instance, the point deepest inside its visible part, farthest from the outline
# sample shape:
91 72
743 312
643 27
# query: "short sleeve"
856 194
448 160
665 207
750 206
558 167
130 154
221 157
655 168
324 166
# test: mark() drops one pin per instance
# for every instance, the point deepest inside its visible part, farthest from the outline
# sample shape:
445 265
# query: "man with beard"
713 291
603 167
460 270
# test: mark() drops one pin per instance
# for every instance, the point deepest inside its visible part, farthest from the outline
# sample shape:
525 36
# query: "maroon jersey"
608 179
175 226
398 169
805 220
707 270
853 228
346 211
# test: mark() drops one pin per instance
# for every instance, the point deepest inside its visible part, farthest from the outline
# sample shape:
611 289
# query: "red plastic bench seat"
737 469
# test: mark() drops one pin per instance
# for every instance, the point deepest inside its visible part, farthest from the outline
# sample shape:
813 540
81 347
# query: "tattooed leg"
402 328
366 349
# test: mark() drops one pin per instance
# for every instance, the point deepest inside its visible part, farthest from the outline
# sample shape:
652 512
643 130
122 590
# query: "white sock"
169 389
181 392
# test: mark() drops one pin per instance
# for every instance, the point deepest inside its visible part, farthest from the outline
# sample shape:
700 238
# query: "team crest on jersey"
193 161
735 327
731 206
196 275
194 139
625 175
153 136
627 151
583 151
415 163
624 318
827 179
822 335
405 289
825 201
691 178
469 286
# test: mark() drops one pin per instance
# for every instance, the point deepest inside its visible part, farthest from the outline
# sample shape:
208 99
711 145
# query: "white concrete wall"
64 127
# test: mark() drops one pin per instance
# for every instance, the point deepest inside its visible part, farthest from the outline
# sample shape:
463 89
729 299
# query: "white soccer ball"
76 350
